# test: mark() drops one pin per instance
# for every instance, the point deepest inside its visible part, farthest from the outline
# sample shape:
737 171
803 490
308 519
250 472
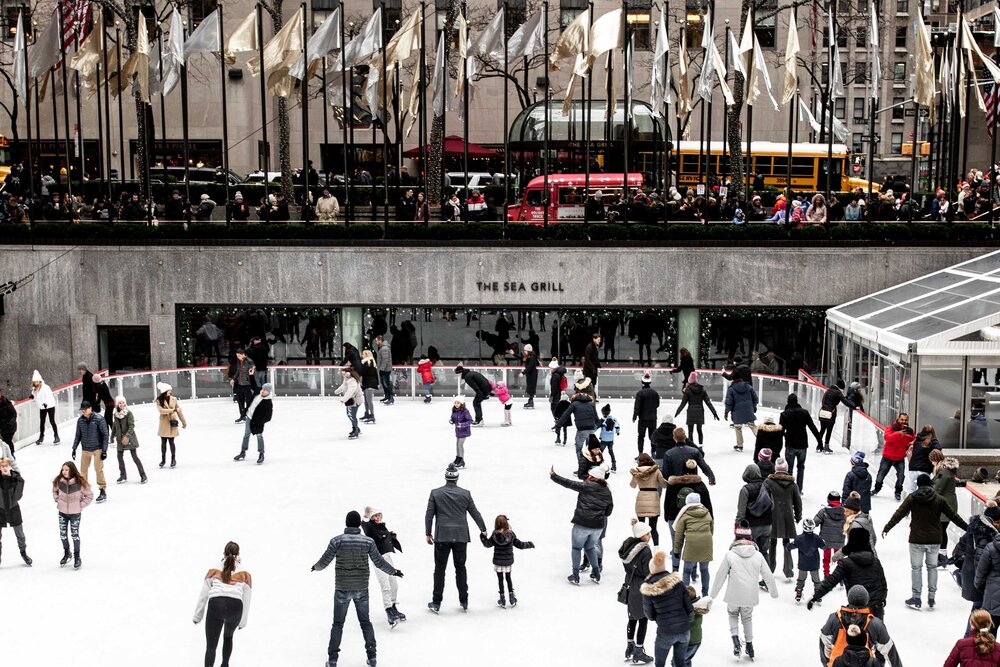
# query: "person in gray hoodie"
383 359
754 509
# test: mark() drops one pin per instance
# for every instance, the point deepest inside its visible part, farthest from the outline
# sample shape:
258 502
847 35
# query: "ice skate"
101 497
502 602
640 657
749 651
121 480
260 458
65 558
574 579
25 558
400 615
737 647
434 607
513 600
391 616
242 455
56 441
913 603
77 563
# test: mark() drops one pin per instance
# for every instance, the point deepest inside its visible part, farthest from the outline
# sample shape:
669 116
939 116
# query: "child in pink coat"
503 394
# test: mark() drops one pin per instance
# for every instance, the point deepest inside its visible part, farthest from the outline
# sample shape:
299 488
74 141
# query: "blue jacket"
809 545
584 412
860 480
741 403
91 433
604 433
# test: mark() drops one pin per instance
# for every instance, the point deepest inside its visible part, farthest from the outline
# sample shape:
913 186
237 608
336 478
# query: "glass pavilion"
929 347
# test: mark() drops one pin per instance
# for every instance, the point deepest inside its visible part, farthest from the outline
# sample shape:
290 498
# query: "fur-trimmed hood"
951 463
771 428
683 480
631 548
782 478
645 472
660 583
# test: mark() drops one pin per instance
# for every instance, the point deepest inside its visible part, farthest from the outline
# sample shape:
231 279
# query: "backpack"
853 649
563 384
762 503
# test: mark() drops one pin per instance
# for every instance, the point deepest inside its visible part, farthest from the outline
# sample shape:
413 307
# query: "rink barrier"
209 382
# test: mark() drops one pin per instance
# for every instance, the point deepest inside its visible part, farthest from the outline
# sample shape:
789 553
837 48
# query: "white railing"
320 381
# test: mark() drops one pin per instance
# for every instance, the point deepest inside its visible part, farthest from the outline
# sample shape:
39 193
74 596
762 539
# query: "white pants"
738 614
387 583
910 484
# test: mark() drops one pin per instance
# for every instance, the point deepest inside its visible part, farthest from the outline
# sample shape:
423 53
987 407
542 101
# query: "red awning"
454 145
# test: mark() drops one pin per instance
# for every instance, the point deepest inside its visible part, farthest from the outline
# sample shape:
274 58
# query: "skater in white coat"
743 566
45 401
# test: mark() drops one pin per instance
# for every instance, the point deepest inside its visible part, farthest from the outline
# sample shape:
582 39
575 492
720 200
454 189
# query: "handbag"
174 423
826 414
623 593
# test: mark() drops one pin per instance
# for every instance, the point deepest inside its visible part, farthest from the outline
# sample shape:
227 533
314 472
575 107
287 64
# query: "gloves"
529 545
104 456
398 573
74 458
312 569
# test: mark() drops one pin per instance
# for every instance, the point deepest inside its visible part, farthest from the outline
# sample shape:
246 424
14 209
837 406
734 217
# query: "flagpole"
121 119
708 139
385 128
831 89
345 115
725 114
64 68
788 173
25 22
422 139
588 92
667 172
326 130
266 149
79 121
107 111
545 142
914 144
956 127
627 120
184 128
225 116
751 64
993 141
465 112
101 149
163 104
304 101
506 124
55 114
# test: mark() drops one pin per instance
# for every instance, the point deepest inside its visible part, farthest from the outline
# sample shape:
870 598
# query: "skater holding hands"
503 541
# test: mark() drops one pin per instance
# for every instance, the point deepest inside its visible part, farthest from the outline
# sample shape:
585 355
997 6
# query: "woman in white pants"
387 545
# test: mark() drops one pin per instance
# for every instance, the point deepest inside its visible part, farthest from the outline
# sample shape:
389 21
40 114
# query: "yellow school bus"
770 160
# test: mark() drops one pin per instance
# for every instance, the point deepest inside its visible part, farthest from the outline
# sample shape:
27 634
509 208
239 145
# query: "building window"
569 10
856 144
517 14
899 71
639 22
902 6
198 10
860 72
901 37
859 110
391 18
694 22
897 108
896 143
861 39
9 19
840 108
321 10
767 26
824 75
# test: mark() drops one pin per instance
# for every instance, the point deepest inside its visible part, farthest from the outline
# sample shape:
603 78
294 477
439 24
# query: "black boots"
502 602
25 558
400 615
76 560
65 558
391 616
101 497
513 599
260 458
242 455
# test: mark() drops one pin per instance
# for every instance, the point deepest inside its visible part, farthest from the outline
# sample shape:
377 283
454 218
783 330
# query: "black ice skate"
502 602
25 558
749 651
242 455
76 561
65 558
640 657
513 600
400 615
391 616
260 458
434 607
737 646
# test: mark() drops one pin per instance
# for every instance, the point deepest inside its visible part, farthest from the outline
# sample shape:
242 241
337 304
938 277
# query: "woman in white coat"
46 402
351 396
743 566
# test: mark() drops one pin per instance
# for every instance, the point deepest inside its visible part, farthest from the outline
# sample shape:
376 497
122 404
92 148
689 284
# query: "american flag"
992 99
76 19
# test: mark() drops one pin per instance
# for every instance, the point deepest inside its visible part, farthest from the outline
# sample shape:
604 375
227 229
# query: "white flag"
44 52
366 44
573 44
806 116
607 33
439 84
323 41
791 85
244 38
20 71
407 40
462 28
490 43
713 70
661 94
760 74
835 70
840 131
736 55
527 39
173 54
205 38
923 91
873 42
996 28
684 105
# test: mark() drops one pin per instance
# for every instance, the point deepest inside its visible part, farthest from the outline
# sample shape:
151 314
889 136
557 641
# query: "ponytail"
984 640
231 555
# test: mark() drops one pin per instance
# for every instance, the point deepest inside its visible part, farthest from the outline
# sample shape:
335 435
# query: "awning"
454 145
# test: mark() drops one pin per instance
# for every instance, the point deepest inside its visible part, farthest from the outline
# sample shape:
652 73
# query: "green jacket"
693 534
124 427
944 483
925 507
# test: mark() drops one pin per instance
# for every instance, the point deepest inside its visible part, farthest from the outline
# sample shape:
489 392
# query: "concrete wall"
51 322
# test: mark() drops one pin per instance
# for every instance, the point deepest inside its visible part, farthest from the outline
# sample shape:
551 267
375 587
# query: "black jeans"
701 435
459 551
135 459
51 414
646 427
384 379
826 431
477 406
223 617
244 397
884 466
163 450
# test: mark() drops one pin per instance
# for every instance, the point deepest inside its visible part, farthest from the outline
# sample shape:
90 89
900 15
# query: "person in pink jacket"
72 493
503 394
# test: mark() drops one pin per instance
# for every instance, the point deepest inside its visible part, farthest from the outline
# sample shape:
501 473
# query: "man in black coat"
591 362
795 420
8 420
449 505
87 390
682 451
741 371
480 386
594 504
259 352
647 401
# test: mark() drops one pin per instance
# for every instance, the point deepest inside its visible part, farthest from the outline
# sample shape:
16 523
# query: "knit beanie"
693 499
36 377
854 504
765 454
923 480
659 563
743 531
639 529
162 388
857 596
781 465
693 378
353 520
808 525
451 472
857 457
647 378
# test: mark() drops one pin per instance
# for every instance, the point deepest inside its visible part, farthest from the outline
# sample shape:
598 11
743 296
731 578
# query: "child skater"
830 520
503 541
809 544
426 369
462 420
608 428
503 395
560 408
702 605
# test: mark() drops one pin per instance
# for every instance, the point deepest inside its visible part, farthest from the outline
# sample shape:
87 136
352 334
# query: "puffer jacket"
588 460
695 399
666 602
896 444
91 433
43 397
70 496
743 566
787 509
860 480
369 375
796 421
741 403
646 479
966 654
646 403
503 545
945 476
477 382
555 381
635 555
662 440
830 521
693 531
809 546
594 502
753 482
969 550
987 580
678 487
584 413
926 507
426 370
862 568
769 436
11 491
352 551
462 421
8 418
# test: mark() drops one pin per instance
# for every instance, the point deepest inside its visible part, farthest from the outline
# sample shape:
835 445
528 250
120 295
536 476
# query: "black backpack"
762 504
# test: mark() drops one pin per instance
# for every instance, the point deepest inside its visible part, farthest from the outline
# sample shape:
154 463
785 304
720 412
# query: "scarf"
121 414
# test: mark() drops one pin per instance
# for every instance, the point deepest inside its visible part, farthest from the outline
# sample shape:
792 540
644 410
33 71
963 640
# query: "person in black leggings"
46 402
226 595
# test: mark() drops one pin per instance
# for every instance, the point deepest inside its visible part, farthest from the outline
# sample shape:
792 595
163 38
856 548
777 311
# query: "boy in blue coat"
809 545
607 429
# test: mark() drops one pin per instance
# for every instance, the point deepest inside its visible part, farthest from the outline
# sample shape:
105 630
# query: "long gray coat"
450 504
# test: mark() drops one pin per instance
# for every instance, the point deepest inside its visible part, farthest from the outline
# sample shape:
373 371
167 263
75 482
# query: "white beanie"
36 377
120 399
640 529
162 388
598 472
692 499
528 348
553 364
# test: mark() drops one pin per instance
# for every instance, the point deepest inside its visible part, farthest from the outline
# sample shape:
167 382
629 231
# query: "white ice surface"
146 550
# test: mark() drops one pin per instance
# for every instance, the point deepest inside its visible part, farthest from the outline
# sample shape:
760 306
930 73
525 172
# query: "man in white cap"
647 401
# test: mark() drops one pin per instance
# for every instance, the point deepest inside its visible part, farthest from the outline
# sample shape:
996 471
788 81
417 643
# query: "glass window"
861 38
840 108
939 403
198 10
694 22
321 9
569 10
856 144
640 24
767 26
517 13
896 143
897 109
392 17
860 72
859 109
901 37
902 6
793 334
899 71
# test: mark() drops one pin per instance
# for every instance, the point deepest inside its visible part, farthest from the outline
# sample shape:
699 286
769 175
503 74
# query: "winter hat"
371 511
647 378
120 399
692 378
271 199
765 454
553 364
204 197
269 387
743 531
580 385
85 405
693 499
459 369
162 388
597 472
659 563
640 529
577 375
857 596
808 525
353 520
857 540
923 480
529 348
36 377
833 495
239 195
992 512
691 464
857 457
854 504
769 419
593 442
781 465
451 472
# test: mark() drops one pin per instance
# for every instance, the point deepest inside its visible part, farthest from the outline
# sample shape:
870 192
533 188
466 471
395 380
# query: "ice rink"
147 549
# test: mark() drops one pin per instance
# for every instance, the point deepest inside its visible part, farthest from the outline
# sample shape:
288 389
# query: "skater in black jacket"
387 544
647 401
503 541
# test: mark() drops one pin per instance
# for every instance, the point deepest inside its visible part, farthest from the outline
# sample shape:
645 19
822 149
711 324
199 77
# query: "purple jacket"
462 421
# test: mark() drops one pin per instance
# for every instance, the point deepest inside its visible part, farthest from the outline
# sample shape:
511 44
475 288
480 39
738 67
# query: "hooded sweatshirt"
753 482
926 508
44 398
743 566
860 480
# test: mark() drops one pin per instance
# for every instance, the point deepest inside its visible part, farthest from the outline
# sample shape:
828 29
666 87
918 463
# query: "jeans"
477 407
385 380
246 439
923 554
884 466
772 556
586 539
691 650
72 521
341 600
261 376
369 404
223 617
352 414
689 572
581 440
458 551
910 484
610 447
800 583
646 427
85 461
427 389
796 458
665 642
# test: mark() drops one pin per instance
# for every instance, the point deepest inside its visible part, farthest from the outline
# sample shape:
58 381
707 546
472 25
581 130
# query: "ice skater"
387 544
8 421
503 395
594 504
92 435
607 429
809 545
123 433
11 490
259 413
426 369
351 396
171 416
503 541
481 389
462 421
369 383
226 595
45 401
72 493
